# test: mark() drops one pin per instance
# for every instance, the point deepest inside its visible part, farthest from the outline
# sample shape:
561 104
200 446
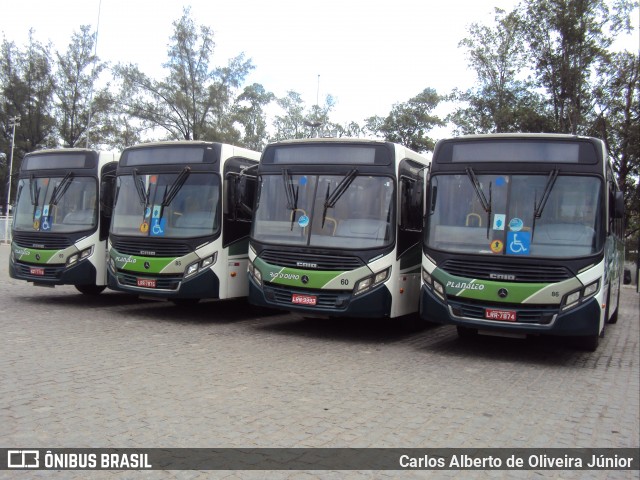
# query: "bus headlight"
572 299
362 285
371 281
207 261
200 265
426 277
191 269
86 253
591 289
254 273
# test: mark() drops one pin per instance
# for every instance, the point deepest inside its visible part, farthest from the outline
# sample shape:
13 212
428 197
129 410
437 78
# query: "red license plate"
502 315
146 282
36 271
303 299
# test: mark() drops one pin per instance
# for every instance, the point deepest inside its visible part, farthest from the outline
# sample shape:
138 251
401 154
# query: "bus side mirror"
618 209
107 195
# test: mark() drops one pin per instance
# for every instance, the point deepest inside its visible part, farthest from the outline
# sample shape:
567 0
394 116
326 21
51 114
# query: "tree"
77 106
249 113
617 99
298 122
408 123
26 91
567 40
503 101
193 102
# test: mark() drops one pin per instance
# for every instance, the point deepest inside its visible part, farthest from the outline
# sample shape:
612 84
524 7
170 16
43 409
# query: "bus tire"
90 289
614 317
466 332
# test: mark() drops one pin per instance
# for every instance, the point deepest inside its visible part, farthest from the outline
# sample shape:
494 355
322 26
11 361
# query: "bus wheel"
614 317
185 302
90 289
466 332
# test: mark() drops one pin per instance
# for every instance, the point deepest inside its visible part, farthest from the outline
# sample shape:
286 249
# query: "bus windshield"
65 203
348 211
507 214
172 205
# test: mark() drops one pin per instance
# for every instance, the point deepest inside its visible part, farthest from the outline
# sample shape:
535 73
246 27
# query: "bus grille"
44 241
310 261
162 283
23 270
164 249
516 272
329 300
538 314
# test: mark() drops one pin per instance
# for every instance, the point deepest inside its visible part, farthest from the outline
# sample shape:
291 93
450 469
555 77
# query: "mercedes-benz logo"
305 279
503 293
147 265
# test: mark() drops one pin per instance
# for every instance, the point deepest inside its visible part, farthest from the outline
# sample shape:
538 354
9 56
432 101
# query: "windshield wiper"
34 191
331 200
60 189
139 184
486 205
538 208
171 192
291 194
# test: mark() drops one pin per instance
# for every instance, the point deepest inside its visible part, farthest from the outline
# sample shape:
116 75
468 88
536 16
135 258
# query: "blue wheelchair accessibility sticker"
518 243
157 227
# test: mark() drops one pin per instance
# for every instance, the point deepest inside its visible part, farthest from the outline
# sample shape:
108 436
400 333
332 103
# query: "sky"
368 55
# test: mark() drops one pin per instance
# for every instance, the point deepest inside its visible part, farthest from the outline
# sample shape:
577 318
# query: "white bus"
337 228
523 235
61 218
181 220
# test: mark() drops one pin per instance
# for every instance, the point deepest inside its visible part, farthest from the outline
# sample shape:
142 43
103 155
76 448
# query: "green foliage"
408 123
26 91
296 121
194 101
78 107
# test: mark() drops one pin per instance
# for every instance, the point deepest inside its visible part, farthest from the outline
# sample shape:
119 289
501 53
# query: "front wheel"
614 317
90 289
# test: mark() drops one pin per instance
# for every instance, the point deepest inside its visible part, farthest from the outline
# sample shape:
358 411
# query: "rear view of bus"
181 220
337 228
60 225
523 235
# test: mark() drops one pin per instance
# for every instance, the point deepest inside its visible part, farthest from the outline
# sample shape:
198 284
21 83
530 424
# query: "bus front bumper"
82 273
204 284
582 320
372 304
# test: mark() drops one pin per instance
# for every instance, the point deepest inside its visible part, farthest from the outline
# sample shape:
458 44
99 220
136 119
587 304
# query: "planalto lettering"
465 285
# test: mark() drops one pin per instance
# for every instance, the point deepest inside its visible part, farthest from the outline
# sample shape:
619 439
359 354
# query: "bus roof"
529 136
291 141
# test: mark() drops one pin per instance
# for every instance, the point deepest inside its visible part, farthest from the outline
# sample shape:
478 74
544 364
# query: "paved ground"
115 371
